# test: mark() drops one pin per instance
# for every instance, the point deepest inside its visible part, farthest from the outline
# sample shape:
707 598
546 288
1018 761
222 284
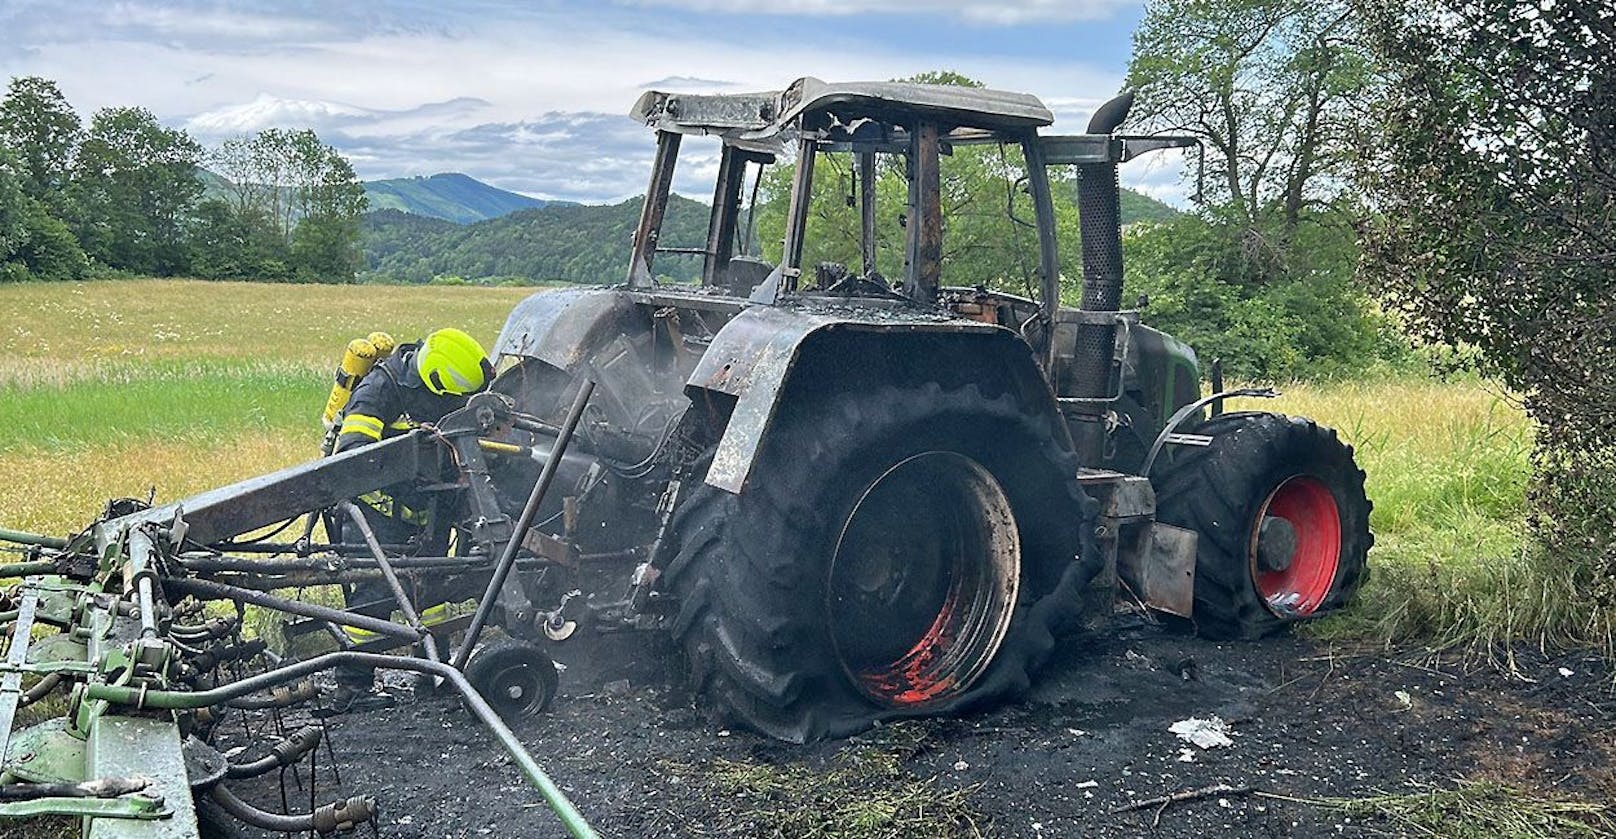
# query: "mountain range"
450 196
462 199
577 242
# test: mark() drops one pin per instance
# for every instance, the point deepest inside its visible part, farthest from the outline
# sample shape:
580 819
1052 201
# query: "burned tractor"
847 497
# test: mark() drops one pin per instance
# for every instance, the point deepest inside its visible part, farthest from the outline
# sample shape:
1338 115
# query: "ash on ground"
1307 721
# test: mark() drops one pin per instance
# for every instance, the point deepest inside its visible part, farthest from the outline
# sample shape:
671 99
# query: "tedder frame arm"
140 659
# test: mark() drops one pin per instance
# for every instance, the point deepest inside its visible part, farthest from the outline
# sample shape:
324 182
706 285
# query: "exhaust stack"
1100 222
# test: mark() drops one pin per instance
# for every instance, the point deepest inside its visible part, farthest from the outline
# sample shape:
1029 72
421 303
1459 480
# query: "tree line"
124 194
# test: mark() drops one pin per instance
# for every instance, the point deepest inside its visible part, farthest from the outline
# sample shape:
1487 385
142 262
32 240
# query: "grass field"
121 388
115 388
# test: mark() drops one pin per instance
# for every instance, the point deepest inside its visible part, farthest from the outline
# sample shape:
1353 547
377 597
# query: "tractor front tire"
1283 520
908 552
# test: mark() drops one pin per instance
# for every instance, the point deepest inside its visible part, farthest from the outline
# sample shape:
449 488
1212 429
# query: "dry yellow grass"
1460 448
61 492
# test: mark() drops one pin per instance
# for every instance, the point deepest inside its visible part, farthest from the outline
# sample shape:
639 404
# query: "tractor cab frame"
1095 358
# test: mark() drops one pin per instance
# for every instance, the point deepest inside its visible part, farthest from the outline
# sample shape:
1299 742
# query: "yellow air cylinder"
361 355
383 343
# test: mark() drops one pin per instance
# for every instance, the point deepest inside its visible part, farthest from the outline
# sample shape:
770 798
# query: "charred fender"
561 327
765 354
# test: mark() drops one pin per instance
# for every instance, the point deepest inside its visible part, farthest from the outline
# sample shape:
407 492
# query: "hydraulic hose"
279 697
24 538
342 815
26 569
288 751
40 690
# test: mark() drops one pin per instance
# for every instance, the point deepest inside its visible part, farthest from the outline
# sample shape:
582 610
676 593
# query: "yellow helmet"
453 363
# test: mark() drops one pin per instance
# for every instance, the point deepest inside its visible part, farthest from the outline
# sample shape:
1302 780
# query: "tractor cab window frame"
922 143
723 227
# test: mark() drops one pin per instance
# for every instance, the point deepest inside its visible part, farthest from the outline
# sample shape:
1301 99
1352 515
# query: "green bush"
49 250
1225 292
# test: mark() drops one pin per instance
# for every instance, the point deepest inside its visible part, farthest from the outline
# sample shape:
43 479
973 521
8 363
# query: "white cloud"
1000 13
215 22
268 111
531 98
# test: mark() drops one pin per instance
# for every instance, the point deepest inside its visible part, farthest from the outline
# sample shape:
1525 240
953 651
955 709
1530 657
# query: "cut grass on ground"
865 790
1475 810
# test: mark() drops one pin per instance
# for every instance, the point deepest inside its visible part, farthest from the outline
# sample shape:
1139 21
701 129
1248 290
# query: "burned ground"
1309 722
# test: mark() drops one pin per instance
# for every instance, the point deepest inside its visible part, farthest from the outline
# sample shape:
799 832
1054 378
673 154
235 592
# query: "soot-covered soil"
1307 721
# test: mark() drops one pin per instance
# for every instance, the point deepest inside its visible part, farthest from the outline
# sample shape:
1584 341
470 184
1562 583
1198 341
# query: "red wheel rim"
923 582
1300 589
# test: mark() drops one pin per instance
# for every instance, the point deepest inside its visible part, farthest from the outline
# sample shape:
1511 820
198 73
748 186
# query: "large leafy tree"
304 190
13 222
134 185
33 243
1270 86
1261 275
232 244
1494 185
42 132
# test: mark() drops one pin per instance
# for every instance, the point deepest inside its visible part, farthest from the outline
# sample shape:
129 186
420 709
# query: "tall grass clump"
1448 468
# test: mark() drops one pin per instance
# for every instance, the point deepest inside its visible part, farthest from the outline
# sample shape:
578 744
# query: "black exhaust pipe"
1100 222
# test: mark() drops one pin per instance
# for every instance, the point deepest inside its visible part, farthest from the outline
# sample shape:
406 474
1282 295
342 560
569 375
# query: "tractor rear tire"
1294 484
909 552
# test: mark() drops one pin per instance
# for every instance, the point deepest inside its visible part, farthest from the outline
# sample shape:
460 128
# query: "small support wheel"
516 677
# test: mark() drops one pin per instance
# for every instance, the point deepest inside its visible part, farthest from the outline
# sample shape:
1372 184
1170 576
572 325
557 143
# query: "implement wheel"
516 678
902 553
1283 520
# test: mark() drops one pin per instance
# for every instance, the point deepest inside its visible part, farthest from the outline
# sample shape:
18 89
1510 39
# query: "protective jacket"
391 400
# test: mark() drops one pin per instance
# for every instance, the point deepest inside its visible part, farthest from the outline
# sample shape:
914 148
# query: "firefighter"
417 383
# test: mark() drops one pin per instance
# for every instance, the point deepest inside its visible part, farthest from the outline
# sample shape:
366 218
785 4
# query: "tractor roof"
766 119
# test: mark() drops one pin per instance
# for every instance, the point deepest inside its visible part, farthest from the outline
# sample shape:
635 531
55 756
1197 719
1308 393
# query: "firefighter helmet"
453 363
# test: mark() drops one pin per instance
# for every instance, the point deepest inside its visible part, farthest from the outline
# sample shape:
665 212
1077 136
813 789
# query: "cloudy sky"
532 96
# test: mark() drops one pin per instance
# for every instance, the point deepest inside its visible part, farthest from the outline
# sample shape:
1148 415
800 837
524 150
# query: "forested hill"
1137 206
574 242
449 195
